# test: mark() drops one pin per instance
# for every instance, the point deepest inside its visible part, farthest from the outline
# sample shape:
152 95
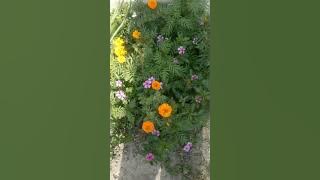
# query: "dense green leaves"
181 23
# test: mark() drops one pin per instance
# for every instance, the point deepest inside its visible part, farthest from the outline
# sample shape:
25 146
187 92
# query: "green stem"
122 24
116 12
118 29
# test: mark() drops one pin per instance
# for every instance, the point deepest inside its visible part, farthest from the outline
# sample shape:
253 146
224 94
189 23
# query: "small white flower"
134 14
195 40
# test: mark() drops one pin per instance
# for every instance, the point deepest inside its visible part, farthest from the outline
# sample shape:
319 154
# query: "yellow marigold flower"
156 85
148 126
136 34
165 110
121 59
152 4
118 42
120 51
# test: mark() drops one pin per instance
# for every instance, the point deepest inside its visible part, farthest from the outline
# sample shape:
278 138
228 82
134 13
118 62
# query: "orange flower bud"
152 4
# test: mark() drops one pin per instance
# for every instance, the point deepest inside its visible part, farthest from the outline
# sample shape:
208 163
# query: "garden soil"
129 165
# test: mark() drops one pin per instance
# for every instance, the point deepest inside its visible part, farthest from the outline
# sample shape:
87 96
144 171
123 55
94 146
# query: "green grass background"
265 88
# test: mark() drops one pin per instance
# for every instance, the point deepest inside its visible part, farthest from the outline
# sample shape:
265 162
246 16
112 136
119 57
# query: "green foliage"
181 23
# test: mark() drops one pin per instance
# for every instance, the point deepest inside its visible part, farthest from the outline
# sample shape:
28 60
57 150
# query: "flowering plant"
162 87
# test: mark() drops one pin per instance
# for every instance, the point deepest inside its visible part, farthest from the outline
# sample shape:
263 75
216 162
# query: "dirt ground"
129 165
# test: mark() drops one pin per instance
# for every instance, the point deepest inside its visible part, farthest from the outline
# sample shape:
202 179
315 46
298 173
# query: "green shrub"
183 73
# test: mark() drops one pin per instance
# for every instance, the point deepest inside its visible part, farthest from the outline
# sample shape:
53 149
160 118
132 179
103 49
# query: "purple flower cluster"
198 99
148 82
194 77
181 50
156 133
149 157
120 95
187 147
119 83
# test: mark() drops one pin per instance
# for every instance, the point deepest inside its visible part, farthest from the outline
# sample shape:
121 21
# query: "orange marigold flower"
148 126
136 34
165 110
156 85
152 4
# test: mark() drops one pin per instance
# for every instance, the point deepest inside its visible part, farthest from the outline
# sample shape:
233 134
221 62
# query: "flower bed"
159 77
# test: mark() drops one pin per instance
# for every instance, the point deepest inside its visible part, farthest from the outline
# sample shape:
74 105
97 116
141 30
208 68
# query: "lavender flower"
121 95
149 157
195 40
198 99
147 84
160 38
119 83
156 133
194 77
181 50
187 147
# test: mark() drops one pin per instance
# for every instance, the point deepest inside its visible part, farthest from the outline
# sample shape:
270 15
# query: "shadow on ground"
129 165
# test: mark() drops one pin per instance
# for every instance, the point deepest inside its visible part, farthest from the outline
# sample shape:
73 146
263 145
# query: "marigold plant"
148 126
165 110
119 49
136 34
152 4
156 85
118 42
121 59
